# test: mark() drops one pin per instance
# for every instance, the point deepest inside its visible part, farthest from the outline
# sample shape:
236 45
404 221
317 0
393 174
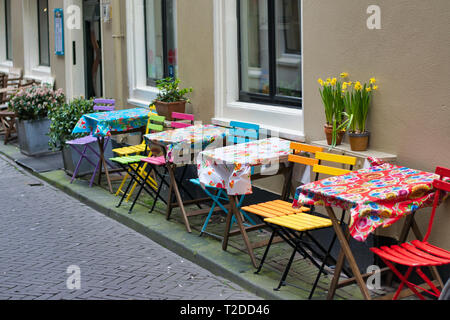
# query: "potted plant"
63 119
357 102
170 97
31 106
331 94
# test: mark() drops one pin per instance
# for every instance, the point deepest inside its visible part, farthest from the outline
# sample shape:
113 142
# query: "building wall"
410 115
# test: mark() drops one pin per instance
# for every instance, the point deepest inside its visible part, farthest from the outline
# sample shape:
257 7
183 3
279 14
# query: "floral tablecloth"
180 143
101 124
377 196
230 167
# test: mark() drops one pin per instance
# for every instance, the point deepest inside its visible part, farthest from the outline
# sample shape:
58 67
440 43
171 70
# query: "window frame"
272 98
6 6
39 35
164 21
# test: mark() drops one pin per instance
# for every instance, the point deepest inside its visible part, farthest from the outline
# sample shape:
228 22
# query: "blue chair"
239 132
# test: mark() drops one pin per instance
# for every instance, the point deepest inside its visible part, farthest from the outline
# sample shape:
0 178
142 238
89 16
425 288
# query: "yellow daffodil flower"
320 81
368 89
333 81
373 81
358 85
375 88
344 75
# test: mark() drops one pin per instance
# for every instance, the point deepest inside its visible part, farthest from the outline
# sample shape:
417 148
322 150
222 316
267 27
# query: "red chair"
418 254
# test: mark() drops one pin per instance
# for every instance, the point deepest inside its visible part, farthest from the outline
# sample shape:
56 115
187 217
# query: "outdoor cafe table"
375 197
105 124
180 147
230 168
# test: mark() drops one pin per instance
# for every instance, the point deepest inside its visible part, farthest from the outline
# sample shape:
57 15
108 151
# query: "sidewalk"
205 251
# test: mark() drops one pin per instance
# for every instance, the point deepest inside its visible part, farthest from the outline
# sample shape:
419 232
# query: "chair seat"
157 161
130 150
301 222
414 254
127 160
82 141
272 209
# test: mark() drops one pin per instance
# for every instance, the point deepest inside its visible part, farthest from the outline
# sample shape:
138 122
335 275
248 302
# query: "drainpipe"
118 36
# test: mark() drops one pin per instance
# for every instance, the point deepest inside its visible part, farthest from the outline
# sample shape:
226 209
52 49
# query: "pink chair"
182 116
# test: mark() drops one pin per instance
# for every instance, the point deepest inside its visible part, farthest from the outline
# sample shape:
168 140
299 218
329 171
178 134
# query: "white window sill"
283 132
5 66
143 96
42 74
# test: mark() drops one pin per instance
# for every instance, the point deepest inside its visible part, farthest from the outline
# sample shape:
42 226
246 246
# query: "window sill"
282 132
5 66
42 74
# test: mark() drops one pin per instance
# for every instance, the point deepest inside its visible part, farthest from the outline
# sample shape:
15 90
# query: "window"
270 52
159 39
8 29
44 48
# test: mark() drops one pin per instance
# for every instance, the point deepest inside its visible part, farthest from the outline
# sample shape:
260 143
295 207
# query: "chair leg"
126 191
78 164
287 269
140 190
158 191
269 244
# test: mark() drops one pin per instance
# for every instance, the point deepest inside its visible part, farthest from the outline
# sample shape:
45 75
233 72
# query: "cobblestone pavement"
43 232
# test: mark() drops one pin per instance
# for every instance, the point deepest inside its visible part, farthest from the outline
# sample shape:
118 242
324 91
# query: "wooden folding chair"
419 253
292 227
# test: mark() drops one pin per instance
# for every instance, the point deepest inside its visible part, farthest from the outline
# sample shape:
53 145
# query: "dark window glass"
44 47
161 51
270 51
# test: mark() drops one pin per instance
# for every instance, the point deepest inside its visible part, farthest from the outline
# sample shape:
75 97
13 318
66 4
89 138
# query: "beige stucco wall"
195 55
410 116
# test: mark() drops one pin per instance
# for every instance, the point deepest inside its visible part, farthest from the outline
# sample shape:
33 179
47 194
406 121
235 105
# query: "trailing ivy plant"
64 118
169 91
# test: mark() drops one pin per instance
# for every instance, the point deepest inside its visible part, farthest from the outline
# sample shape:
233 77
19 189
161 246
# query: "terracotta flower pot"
359 141
165 109
329 134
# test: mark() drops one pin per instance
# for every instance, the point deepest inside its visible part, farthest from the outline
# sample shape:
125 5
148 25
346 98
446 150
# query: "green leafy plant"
64 118
33 103
169 91
357 99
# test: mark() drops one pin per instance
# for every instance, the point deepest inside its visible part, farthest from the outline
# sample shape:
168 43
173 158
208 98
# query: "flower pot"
165 109
359 141
329 134
32 135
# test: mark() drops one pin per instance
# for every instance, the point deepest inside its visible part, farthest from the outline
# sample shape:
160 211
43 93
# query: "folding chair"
86 142
137 150
292 227
136 168
240 132
417 254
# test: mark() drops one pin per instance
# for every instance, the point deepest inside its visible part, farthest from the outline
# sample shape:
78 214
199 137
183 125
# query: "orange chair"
417 254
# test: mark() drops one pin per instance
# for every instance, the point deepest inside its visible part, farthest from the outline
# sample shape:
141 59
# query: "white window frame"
288 122
5 64
140 94
32 69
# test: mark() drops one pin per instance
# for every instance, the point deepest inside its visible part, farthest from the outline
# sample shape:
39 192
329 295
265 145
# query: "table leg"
174 185
347 253
234 210
103 162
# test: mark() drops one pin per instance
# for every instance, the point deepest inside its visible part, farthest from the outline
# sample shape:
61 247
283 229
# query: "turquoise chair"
239 132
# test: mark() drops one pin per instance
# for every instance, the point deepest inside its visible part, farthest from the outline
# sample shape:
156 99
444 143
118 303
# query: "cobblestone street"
43 232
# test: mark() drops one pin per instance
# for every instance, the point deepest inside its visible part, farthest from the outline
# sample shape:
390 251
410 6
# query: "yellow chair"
138 150
293 227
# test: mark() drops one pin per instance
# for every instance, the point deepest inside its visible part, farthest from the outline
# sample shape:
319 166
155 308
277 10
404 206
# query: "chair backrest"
335 158
155 123
441 186
181 116
299 148
242 132
104 104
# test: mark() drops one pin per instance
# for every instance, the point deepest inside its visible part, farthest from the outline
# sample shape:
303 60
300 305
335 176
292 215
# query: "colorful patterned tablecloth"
101 124
230 167
181 143
377 196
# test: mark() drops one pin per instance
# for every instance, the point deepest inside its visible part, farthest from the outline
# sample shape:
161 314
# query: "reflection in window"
9 47
270 51
44 47
160 39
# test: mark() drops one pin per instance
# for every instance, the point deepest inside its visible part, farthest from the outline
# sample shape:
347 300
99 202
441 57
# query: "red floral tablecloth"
377 196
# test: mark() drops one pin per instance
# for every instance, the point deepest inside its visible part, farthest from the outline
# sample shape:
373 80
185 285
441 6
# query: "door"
92 48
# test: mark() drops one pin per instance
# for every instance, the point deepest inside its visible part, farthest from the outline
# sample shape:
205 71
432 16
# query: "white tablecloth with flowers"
230 167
